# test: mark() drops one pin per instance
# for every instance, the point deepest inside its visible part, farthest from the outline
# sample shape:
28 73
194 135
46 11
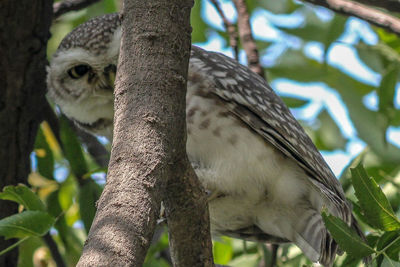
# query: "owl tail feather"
313 239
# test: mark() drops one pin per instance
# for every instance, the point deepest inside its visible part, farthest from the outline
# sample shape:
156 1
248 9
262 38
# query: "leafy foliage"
65 182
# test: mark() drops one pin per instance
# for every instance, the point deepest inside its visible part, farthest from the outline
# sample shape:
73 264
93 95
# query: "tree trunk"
148 159
24 30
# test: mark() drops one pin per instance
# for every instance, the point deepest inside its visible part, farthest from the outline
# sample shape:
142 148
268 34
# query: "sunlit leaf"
24 196
44 156
346 237
390 39
222 251
373 202
110 6
198 25
67 193
27 223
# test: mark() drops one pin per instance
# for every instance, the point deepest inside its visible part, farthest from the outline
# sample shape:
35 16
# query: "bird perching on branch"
267 180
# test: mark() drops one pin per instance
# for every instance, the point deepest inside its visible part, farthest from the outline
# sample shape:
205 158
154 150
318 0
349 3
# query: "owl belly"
243 171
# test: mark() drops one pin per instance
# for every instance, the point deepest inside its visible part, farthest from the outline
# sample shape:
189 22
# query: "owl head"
81 74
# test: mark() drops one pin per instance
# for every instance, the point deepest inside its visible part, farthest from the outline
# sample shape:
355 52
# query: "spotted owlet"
268 180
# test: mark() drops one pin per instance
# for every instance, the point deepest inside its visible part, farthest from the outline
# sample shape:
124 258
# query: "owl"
267 181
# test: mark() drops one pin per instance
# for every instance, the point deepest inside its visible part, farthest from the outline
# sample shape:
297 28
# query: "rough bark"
246 38
23 39
148 152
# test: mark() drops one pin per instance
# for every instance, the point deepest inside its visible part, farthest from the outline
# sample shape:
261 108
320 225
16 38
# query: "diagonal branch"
65 6
389 5
369 14
100 155
246 37
230 28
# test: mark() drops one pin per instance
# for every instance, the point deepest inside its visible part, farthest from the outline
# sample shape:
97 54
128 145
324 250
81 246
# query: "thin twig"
247 39
50 116
274 252
94 147
369 14
389 5
65 6
230 28
54 250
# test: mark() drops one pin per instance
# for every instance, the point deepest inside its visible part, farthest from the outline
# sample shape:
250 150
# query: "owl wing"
250 98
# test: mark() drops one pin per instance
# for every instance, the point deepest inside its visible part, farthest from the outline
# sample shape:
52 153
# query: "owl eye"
78 71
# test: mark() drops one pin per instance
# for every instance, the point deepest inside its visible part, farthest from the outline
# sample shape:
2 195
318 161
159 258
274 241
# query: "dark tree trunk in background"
148 159
24 30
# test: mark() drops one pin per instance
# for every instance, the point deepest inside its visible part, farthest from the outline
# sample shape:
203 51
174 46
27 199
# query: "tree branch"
24 33
246 38
100 155
48 239
371 15
389 5
230 28
65 6
149 146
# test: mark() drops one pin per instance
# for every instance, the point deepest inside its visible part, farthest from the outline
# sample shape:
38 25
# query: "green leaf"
222 251
67 193
387 87
72 149
390 242
373 202
346 237
24 196
386 93
370 56
44 156
335 30
199 26
68 235
27 223
350 261
26 250
294 102
328 136
110 6
89 193
328 31
389 263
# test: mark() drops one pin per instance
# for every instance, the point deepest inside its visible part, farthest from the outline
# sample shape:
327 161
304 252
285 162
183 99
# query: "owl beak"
110 72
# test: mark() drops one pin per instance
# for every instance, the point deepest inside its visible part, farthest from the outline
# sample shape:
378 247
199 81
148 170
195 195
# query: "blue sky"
341 55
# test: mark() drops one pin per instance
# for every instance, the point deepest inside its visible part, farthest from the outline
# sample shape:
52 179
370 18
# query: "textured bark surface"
23 38
246 38
149 146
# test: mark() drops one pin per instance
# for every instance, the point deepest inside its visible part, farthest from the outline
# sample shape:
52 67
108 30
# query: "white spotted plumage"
267 180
